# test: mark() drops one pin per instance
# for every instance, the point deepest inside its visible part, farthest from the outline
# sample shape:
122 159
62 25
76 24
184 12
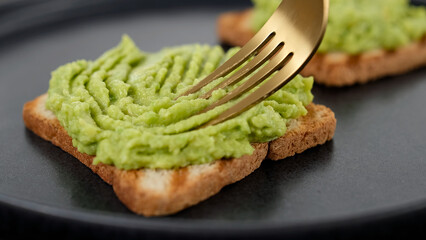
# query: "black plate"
370 177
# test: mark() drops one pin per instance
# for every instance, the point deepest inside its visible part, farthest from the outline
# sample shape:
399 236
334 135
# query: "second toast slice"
334 69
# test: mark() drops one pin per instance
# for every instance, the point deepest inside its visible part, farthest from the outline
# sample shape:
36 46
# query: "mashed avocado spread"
357 26
121 108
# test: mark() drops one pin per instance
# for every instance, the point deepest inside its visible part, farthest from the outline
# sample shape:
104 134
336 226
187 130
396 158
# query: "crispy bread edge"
162 192
334 69
316 128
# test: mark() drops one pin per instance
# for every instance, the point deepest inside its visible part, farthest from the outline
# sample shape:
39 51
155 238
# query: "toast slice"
334 69
161 192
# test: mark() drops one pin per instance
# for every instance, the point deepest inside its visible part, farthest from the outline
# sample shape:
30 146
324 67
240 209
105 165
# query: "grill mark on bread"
178 179
221 165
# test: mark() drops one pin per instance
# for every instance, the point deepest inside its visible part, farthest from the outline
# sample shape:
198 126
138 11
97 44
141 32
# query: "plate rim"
191 227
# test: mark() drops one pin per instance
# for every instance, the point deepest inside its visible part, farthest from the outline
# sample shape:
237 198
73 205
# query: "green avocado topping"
121 108
357 26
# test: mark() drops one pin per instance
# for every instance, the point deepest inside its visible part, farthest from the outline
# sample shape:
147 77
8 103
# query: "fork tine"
256 43
264 55
275 63
264 91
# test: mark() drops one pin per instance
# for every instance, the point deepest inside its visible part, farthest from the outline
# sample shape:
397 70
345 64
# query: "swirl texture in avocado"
121 108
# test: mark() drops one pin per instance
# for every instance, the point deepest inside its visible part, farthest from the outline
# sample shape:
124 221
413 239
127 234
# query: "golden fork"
288 41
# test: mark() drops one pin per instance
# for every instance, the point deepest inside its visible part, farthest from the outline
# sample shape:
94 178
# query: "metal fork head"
283 46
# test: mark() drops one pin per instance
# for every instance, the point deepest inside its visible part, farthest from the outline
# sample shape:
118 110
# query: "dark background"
368 182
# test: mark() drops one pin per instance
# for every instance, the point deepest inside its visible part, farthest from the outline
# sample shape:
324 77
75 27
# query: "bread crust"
161 192
334 69
316 128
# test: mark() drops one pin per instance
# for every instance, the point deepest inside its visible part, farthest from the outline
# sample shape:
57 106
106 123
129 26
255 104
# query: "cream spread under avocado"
121 108
357 26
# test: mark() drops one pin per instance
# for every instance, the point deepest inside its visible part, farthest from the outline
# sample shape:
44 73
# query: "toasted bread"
160 192
334 69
